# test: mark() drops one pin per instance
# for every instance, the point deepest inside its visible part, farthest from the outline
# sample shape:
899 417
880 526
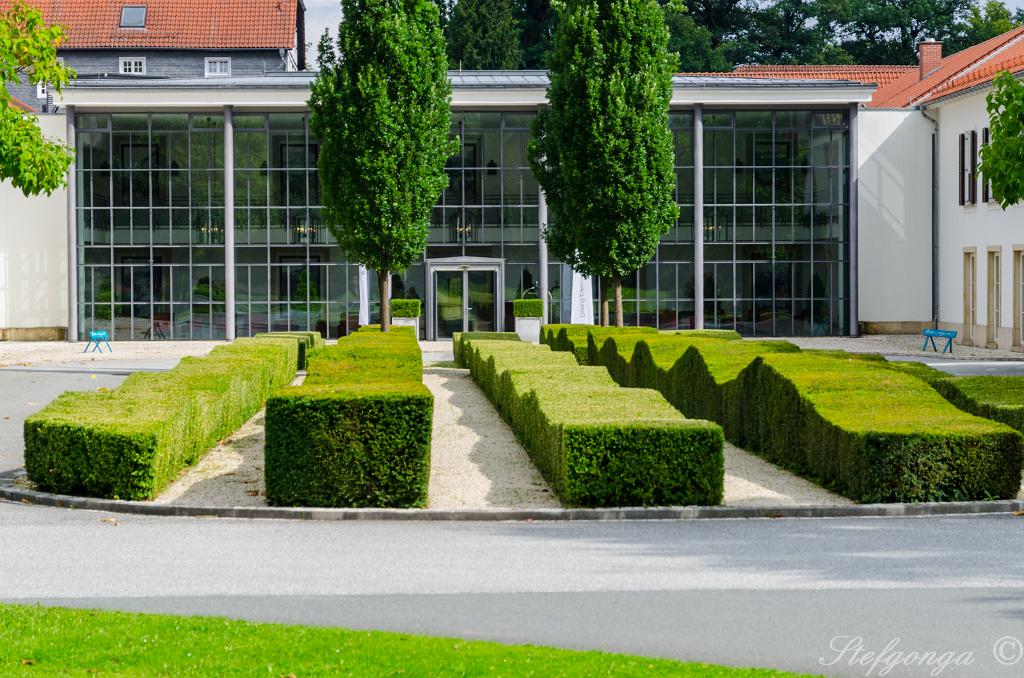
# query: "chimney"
929 54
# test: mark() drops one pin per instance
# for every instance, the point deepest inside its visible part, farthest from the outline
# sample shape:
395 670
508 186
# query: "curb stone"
10 492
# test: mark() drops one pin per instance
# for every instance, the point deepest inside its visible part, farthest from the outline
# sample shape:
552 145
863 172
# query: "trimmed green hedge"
356 433
406 308
574 338
596 443
129 443
459 340
308 341
872 433
527 308
868 428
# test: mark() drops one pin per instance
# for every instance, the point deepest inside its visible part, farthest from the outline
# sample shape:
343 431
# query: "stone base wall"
33 334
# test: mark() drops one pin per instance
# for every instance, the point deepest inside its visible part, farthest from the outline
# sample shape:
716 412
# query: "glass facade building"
150 219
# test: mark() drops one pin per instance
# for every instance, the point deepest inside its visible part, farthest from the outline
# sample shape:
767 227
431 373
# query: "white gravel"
28 353
476 461
752 481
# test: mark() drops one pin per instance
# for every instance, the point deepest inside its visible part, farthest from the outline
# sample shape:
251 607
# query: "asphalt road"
785 593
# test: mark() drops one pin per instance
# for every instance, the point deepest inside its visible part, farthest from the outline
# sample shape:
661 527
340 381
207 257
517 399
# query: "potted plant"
529 317
406 312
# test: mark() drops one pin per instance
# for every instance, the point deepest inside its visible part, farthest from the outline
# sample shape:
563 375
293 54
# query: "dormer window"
132 65
133 16
218 67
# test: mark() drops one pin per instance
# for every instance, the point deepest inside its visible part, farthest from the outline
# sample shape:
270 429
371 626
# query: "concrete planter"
407 322
528 329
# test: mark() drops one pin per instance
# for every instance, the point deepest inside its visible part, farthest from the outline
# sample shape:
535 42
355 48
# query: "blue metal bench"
95 337
948 335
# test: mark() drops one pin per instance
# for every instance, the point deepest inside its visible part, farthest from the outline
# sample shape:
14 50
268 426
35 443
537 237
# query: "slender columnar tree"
380 108
28 52
484 34
1002 159
602 149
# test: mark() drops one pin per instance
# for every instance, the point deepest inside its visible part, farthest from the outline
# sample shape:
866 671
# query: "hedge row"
596 443
308 341
461 339
129 443
863 427
356 433
573 338
873 434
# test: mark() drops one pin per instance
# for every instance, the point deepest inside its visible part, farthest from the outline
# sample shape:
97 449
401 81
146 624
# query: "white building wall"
981 226
33 256
895 229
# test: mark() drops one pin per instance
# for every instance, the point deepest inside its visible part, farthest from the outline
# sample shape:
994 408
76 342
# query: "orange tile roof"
184 24
1010 59
911 89
877 75
15 102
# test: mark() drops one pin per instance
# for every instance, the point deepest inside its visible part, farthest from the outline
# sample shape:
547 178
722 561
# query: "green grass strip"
39 641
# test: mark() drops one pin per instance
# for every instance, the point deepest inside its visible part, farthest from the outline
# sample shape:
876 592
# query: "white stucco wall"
980 226
894 204
33 251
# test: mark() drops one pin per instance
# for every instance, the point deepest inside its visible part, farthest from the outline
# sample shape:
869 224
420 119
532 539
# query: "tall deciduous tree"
28 52
536 29
380 107
484 34
602 150
1002 159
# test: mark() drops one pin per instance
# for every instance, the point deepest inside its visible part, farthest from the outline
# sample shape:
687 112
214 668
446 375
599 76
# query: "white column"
229 223
698 216
72 231
542 253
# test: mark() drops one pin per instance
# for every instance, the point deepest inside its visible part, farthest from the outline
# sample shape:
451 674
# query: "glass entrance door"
465 301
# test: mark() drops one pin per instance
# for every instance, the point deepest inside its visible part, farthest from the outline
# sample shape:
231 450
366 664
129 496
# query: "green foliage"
527 308
574 338
28 52
888 31
129 443
308 341
536 20
871 433
357 432
461 339
40 641
482 35
595 443
997 398
601 148
1002 159
380 108
406 308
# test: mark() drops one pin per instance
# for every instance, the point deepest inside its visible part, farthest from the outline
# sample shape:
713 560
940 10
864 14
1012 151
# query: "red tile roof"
876 75
15 102
184 24
1009 59
973 61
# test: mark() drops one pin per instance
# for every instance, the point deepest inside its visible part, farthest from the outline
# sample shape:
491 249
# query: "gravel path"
476 461
27 353
752 481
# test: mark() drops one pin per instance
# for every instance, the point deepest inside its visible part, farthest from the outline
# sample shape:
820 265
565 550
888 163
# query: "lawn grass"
39 641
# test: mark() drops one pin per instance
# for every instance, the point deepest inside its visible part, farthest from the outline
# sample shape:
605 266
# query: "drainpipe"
72 232
698 217
542 254
854 222
935 218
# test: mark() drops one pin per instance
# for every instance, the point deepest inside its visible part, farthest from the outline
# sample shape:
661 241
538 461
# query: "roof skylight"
133 16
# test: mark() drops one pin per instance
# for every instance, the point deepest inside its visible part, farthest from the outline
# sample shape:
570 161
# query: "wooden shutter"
974 167
985 189
960 172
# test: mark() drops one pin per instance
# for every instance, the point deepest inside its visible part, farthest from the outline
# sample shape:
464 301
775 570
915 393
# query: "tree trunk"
617 284
384 285
604 301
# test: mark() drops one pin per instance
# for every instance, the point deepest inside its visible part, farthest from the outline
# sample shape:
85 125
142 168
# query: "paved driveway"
779 593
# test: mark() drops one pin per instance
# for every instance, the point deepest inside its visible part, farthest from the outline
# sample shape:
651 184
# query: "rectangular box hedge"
130 442
598 444
308 341
871 433
574 338
459 340
356 433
